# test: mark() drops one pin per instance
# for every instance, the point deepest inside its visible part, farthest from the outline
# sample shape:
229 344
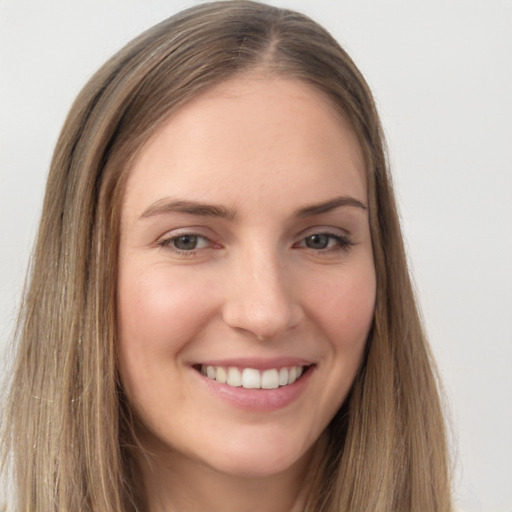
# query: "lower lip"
259 400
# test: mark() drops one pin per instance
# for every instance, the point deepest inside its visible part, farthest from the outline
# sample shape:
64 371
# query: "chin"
260 460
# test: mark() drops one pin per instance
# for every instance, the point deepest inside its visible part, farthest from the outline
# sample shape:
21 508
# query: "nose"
259 297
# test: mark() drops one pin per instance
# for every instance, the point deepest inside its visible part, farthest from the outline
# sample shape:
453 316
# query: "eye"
186 242
325 241
318 241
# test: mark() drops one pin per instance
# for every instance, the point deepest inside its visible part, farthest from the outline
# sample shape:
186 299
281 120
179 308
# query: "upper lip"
256 363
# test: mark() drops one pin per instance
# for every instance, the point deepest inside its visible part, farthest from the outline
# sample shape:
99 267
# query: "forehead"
258 136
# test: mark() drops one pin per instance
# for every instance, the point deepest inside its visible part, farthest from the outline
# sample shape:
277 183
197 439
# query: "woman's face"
246 281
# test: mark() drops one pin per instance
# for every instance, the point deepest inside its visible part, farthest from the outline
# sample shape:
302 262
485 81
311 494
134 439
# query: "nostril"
262 322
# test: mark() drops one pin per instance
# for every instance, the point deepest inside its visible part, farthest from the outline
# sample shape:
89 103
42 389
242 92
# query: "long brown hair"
68 429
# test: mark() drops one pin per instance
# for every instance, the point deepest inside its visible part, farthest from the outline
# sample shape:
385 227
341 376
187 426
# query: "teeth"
270 379
234 377
251 378
221 376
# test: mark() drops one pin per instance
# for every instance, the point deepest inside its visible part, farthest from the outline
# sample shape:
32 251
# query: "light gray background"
441 72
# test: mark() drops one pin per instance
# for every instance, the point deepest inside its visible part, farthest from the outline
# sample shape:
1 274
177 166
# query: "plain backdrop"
441 72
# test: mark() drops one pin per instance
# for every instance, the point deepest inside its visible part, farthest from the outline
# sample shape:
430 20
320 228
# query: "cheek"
352 311
158 314
159 311
343 307
147 307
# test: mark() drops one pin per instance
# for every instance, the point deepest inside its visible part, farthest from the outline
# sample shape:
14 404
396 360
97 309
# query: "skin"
258 285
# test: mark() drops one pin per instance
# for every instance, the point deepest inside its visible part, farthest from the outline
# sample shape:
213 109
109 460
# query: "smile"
251 378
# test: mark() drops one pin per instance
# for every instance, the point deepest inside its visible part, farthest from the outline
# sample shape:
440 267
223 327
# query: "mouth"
252 378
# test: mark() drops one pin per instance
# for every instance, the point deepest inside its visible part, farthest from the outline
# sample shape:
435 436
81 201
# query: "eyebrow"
331 204
167 205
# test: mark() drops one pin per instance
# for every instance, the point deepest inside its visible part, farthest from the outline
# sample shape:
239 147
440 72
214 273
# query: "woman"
219 315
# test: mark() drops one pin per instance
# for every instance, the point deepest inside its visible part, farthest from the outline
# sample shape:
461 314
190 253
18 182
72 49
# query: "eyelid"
341 236
198 231
324 230
166 241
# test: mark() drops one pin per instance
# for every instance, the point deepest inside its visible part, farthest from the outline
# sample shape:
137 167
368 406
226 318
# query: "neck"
175 483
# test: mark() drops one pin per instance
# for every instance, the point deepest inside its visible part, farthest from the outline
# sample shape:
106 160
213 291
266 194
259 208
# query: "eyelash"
341 243
167 243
